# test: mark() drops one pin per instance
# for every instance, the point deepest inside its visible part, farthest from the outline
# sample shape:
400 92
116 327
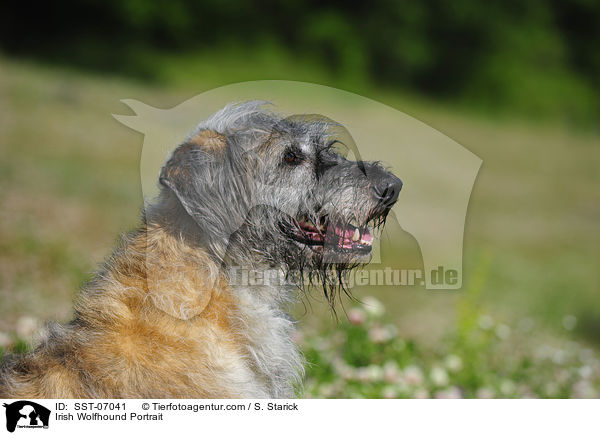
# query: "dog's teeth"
356 236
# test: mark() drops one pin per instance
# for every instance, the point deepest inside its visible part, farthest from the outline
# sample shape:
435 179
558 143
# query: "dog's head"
264 189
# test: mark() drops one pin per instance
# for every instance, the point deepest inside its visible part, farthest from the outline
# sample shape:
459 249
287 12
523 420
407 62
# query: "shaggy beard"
312 268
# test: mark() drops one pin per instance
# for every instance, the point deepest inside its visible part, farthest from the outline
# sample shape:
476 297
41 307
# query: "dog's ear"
202 149
208 177
192 165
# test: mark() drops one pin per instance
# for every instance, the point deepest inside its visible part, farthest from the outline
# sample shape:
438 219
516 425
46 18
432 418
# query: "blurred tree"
539 56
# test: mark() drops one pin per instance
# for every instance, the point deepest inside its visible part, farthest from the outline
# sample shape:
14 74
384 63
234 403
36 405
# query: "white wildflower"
374 373
438 376
559 357
362 375
485 322
454 363
373 306
356 316
503 331
378 334
390 372
413 375
27 326
346 372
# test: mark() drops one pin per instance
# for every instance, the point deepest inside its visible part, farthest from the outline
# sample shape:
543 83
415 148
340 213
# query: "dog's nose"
387 190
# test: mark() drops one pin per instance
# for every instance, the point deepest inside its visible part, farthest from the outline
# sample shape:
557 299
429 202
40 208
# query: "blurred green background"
516 83
539 57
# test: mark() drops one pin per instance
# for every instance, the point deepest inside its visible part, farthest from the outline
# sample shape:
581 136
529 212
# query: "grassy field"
69 183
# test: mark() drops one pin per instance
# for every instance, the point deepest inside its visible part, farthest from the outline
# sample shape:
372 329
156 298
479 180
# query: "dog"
248 188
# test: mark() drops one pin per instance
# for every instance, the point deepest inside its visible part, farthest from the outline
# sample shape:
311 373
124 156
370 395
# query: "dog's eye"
291 158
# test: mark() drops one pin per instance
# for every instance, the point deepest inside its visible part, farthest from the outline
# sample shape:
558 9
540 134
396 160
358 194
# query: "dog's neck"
261 320
177 289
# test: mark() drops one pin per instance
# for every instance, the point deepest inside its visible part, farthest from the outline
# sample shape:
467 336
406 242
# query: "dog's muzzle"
352 235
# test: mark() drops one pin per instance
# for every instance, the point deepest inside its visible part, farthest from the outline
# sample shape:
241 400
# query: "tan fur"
159 321
209 140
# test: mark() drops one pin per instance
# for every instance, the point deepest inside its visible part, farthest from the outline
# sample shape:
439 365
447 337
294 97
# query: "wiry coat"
186 335
161 318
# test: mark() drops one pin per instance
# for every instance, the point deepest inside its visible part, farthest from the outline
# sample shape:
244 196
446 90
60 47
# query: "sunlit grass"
366 357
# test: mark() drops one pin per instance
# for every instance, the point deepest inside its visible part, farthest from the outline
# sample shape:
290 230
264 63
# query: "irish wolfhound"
161 319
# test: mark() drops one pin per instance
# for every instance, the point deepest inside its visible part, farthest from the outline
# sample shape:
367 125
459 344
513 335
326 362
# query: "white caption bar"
299 416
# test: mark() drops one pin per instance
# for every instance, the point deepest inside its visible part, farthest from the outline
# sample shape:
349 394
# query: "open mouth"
341 236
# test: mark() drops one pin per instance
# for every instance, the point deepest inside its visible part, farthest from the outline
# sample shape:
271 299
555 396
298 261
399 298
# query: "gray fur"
241 200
